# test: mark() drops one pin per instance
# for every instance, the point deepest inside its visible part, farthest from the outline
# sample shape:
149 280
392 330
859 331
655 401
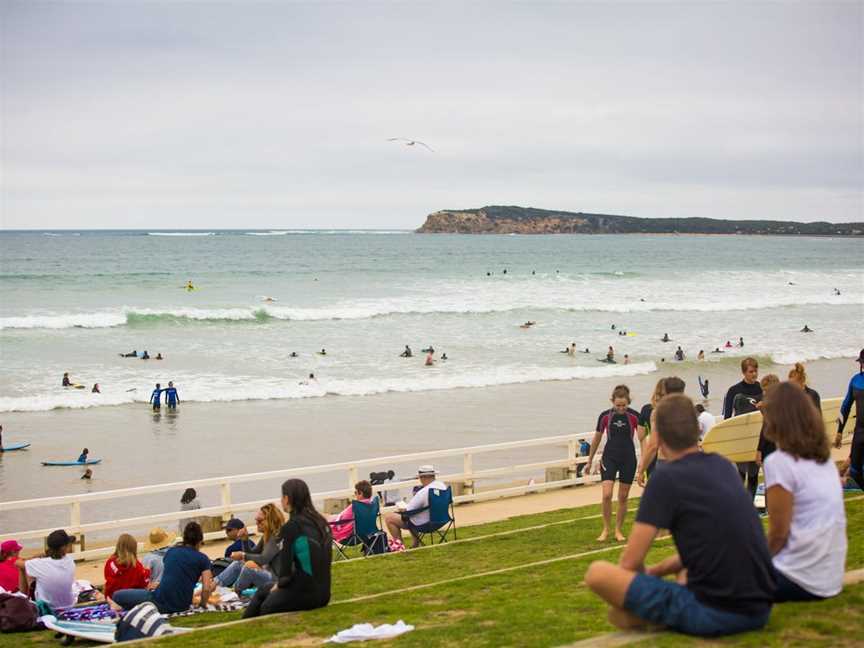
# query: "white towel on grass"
366 632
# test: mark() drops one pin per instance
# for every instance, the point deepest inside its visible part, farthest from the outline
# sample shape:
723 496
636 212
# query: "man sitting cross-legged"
725 581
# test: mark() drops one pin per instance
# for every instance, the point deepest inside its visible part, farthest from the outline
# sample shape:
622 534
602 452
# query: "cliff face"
526 220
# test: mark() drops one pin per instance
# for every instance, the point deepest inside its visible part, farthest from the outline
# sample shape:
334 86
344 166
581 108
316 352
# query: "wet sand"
212 439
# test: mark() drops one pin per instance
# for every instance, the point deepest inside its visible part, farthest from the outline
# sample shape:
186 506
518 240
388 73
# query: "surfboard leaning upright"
737 438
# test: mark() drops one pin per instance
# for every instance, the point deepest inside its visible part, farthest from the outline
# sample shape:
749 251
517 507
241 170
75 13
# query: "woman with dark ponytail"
302 567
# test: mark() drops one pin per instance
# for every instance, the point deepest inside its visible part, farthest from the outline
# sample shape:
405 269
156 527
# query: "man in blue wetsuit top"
855 394
156 397
171 397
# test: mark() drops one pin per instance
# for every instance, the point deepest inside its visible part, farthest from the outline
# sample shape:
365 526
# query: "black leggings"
266 601
749 471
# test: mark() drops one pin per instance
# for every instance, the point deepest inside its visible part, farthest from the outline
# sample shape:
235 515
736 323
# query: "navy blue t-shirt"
183 568
246 546
719 537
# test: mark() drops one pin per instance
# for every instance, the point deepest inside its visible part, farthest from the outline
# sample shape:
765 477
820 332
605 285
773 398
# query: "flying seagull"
409 142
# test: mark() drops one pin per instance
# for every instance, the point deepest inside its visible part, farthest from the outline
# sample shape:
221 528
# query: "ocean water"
73 301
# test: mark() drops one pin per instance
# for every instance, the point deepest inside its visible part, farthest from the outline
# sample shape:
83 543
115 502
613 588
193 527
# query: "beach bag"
141 622
395 545
17 614
376 544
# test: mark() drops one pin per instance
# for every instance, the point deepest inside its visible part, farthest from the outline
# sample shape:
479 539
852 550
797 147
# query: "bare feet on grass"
603 536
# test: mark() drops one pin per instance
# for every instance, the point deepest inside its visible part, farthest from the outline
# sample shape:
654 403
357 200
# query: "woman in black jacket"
302 566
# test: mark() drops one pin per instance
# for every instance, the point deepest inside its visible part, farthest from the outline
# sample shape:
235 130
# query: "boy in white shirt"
55 573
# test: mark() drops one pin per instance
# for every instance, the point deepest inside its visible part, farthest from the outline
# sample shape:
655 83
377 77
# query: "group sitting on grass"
726 575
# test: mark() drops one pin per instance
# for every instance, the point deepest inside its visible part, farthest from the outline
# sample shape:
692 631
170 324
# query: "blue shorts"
674 606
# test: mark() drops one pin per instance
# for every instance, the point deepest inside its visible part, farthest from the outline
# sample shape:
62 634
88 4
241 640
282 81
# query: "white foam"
181 233
238 388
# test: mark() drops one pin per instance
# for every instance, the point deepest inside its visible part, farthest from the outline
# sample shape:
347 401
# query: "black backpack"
17 614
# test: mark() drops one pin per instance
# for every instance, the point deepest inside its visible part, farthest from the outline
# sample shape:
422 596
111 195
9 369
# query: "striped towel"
211 607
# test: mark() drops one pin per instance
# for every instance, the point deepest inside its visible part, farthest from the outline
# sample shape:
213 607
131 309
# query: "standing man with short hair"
724 577
855 394
743 398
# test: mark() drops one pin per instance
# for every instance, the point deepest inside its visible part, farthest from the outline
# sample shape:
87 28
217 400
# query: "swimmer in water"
728 344
626 359
145 355
679 354
586 350
806 329
610 355
95 389
444 356
740 341
701 355
717 350
428 349
666 338
134 354
308 381
430 358
159 356
66 381
293 354
322 352
406 353
268 300
613 327
189 286
88 474
527 324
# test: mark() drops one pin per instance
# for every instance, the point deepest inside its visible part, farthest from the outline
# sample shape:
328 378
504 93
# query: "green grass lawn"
536 605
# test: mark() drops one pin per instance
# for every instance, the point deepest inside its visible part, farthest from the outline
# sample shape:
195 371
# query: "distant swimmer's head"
311 376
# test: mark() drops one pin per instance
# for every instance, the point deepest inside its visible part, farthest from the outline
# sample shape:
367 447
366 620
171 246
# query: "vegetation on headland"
527 220
531 605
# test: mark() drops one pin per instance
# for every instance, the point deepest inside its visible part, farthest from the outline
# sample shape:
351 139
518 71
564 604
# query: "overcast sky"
239 114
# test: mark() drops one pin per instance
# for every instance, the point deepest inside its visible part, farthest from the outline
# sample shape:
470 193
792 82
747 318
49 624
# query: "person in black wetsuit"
679 354
302 567
406 353
743 398
620 424
855 394
666 338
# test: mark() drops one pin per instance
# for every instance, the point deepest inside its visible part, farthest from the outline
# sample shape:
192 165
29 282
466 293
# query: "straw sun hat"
158 538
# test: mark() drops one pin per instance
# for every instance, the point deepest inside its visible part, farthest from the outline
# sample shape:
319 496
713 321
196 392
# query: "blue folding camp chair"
441 518
367 529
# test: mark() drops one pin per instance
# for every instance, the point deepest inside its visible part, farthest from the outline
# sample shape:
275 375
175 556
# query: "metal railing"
465 493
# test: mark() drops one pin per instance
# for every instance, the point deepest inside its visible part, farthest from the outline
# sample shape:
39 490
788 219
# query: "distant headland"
527 220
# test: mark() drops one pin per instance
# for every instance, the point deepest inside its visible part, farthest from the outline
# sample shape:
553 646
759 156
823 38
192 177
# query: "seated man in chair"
407 519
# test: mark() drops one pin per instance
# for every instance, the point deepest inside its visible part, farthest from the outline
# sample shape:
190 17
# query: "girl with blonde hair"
123 570
254 568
